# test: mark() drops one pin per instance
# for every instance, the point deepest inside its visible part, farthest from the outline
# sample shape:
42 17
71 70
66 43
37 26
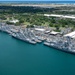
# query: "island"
52 24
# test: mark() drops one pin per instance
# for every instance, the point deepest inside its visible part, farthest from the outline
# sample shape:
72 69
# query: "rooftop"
63 16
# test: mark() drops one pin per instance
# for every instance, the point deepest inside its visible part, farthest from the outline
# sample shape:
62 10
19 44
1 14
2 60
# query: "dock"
38 34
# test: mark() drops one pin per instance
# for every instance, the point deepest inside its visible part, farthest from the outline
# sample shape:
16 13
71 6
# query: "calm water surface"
39 2
20 58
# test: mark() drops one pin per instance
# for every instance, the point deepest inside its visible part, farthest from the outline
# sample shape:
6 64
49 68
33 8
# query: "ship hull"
66 51
23 40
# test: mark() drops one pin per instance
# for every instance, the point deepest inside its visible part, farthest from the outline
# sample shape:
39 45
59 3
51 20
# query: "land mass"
33 23
33 14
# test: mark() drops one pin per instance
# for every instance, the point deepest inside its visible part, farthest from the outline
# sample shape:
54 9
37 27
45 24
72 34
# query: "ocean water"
20 58
38 2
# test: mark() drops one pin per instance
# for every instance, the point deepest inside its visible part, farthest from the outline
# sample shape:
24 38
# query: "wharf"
33 36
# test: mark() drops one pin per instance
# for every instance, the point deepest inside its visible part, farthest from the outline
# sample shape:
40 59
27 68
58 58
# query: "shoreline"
41 34
47 4
52 5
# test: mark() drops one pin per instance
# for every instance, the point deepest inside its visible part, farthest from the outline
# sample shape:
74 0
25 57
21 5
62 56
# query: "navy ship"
65 46
20 37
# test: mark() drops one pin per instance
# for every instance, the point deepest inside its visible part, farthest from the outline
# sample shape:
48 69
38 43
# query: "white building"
63 16
39 29
14 21
72 34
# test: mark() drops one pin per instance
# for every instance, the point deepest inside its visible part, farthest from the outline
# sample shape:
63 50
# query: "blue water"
39 2
20 58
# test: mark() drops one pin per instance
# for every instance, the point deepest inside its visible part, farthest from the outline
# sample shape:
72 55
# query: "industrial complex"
38 34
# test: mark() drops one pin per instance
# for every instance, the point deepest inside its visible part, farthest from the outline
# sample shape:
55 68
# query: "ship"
63 49
25 40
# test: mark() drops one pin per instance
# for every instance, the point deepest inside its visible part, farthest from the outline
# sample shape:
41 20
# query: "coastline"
45 4
40 5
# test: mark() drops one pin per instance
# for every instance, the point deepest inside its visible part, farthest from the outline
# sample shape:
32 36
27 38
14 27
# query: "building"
14 21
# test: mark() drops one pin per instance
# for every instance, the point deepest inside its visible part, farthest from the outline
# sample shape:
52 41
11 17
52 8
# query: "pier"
41 34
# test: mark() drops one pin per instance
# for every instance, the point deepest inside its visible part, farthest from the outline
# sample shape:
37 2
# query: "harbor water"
20 58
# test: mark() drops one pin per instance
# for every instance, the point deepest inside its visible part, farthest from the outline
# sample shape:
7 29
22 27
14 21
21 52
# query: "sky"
37 0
